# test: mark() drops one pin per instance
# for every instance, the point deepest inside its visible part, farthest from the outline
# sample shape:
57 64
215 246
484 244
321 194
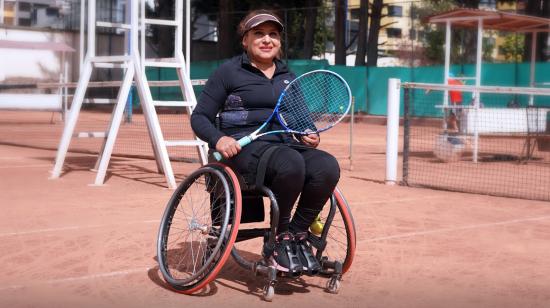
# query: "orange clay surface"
65 243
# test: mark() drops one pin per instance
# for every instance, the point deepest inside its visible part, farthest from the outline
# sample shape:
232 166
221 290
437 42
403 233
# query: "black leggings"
291 172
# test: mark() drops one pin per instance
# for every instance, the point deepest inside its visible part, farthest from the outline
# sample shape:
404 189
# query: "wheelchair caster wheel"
333 285
268 293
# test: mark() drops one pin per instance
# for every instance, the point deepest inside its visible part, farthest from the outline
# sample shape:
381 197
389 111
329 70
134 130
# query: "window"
395 10
393 32
24 7
52 12
25 22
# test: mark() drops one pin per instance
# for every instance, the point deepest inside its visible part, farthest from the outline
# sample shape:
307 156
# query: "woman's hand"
311 140
228 147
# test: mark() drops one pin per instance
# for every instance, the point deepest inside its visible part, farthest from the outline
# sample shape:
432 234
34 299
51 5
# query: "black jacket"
243 97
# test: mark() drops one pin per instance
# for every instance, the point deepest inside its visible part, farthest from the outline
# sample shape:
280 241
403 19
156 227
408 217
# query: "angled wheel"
199 227
337 239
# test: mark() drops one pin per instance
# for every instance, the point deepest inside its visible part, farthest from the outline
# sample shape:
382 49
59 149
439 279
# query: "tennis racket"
311 103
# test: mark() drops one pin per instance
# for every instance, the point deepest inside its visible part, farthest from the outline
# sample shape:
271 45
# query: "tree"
539 8
463 44
362 34
340 32
226 29
310 25
374 31
512 48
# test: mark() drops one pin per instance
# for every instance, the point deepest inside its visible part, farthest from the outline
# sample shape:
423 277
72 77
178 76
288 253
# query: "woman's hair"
243 25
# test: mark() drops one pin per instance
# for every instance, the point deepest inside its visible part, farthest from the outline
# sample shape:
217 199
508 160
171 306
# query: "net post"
392 130
406 133
351 133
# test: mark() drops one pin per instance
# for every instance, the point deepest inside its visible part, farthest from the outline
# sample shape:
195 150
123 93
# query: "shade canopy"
493 20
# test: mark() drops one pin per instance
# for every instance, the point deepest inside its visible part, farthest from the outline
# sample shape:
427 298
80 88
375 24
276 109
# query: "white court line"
76 279
76 228
26 166
436 231
396 200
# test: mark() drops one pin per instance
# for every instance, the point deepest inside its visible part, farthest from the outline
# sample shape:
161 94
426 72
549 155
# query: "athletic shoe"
285 256
310 264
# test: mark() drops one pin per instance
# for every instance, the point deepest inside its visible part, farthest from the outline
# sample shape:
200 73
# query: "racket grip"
242 142
217 156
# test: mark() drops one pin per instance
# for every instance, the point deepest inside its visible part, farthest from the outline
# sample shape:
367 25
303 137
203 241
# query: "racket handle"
242 142
217 156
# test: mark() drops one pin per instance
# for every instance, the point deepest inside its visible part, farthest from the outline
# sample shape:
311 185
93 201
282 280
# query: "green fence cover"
369 85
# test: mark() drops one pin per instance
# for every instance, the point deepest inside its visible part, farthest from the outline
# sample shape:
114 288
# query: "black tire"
198 228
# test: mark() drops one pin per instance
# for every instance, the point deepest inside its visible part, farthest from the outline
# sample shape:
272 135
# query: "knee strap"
262 165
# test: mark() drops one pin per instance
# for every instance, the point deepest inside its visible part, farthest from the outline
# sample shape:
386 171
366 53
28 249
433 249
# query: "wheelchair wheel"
199 227
338 233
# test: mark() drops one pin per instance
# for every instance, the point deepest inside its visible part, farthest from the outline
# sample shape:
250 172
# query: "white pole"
351 133
1 11
128 20
392 135
178 44
91 28
447 60
479 57
188 37
447 69
15 14
142 35
478 83
82 33
533 59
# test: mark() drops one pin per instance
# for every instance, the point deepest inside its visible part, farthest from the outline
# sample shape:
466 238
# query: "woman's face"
263 43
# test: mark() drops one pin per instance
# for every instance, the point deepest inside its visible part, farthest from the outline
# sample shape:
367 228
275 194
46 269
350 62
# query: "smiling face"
263 43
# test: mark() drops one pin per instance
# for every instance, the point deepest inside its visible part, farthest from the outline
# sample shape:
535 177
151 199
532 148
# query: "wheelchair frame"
200 254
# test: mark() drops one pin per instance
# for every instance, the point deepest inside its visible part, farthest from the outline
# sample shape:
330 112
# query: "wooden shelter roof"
493 20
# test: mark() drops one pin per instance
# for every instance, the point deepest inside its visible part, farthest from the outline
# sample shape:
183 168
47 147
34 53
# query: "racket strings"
314 103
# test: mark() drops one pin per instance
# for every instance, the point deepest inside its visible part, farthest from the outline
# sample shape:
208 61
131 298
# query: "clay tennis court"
65 243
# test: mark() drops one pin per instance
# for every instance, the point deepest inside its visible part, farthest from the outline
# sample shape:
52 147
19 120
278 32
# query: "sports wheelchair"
204 220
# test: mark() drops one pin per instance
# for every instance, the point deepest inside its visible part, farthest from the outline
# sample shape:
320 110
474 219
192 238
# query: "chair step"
100 101
172 104
157 63
116 25
110 65
176 83
109 59
175 143
90 135
161 22
164 83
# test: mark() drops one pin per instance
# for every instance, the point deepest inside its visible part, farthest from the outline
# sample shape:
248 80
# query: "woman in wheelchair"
238 97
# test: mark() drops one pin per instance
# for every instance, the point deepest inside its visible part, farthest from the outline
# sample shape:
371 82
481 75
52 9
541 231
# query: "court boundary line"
75 279
444 230
67 228
25 166
138 270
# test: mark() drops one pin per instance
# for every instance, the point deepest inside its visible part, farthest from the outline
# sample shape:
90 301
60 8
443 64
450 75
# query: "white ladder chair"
178 63
133 71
